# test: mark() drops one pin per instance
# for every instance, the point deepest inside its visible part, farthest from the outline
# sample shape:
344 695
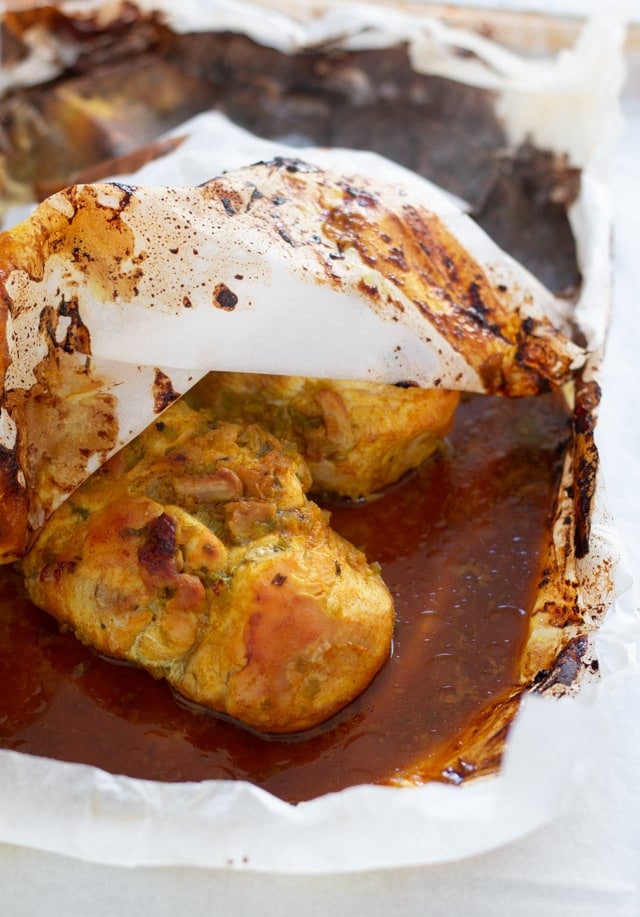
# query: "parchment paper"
85 813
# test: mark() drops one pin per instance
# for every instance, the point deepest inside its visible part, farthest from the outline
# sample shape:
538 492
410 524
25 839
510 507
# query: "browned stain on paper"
164 393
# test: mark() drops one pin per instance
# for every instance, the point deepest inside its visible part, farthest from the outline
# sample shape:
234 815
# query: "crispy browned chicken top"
356 437
195 553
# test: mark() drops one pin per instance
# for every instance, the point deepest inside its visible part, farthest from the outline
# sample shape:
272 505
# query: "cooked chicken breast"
195 553
357 437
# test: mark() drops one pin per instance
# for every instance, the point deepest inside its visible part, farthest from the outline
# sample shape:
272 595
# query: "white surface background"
586 863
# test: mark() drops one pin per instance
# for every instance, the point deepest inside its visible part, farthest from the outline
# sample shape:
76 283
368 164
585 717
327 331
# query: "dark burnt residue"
566 670
416 252
14 504
566 612
348 228
256 195
77 338
9 468
361 196
585 467
478 309
164 393
369 289
156 555
224 298
232 200
285 236
127 192
228 206
291 165
395 256
449 263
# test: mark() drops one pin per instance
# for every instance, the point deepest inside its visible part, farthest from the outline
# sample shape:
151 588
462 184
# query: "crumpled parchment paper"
83 812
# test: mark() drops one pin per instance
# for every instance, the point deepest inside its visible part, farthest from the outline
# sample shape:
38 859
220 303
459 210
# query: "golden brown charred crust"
356 437
13 537
418 259
585 466
195 554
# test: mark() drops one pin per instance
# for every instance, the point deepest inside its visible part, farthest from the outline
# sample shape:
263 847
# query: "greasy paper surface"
85 813
110 288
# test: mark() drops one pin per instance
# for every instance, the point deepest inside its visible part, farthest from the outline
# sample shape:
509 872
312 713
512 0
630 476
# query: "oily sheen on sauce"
459 545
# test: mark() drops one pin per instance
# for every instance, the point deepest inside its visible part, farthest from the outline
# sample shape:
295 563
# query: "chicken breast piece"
356 437
195 553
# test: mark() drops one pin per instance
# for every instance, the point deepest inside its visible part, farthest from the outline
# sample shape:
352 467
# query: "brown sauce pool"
459 545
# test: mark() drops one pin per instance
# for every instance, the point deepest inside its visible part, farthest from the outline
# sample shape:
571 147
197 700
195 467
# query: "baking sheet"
84 813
